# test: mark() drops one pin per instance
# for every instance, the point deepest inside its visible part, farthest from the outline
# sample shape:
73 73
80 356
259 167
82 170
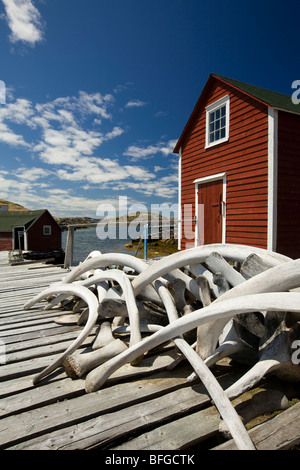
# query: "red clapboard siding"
288 196
5 241
244 158
38 241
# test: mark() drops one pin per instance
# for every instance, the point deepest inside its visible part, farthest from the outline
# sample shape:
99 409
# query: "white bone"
282 277
222 310
92 302
104 336
216 392
76 365
217 264
106 259
122 279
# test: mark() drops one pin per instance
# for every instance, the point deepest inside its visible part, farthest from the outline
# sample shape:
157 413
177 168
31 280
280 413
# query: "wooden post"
69 247
145 240
72 246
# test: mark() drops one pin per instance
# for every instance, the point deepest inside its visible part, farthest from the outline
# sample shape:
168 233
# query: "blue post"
145 240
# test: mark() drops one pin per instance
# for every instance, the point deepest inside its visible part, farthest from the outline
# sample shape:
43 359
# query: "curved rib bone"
232 346
106 259
92 302
198 255
227 309
122 279
216 392
282 277
221 401
263 402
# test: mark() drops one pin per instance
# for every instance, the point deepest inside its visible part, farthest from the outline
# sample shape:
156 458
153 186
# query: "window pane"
217 125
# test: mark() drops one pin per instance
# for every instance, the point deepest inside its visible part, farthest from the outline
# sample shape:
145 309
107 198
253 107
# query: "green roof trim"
8 220
271 98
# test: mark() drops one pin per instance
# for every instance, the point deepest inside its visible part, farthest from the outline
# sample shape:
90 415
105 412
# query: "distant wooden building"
239 168
29 231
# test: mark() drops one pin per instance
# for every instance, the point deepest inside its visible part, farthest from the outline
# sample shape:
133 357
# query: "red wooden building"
29 231
239 169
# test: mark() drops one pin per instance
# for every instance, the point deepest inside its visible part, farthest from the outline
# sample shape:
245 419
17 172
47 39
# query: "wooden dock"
145 407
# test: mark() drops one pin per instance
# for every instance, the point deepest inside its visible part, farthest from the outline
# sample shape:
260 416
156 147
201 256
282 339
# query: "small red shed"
29 231
239 169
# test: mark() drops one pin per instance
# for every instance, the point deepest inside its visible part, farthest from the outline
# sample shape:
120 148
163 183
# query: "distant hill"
63 221
12 206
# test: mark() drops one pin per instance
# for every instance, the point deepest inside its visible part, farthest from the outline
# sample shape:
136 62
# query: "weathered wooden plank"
10 328
40 420
56 391
41 333
40 341
38 395
280 433
11 320
42 351
27 329
179 434
101 430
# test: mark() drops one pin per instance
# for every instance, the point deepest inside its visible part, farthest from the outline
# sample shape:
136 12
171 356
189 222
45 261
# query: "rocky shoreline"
155 248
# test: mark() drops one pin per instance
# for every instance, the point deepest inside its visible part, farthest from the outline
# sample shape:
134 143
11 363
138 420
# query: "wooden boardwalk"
143 407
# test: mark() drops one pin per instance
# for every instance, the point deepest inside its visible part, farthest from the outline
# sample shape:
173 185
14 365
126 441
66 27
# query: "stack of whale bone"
212 301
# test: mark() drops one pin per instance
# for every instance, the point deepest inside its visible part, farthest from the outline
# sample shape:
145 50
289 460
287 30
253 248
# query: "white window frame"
45 227
214 107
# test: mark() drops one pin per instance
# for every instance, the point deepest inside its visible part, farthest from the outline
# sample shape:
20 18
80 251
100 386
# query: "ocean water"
86 240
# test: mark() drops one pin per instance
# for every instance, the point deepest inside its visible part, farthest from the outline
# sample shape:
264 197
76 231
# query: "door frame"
14 228
209 179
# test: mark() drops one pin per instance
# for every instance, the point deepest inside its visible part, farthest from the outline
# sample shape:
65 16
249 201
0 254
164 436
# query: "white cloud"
135 104
24 21
8 136
144 152
98 171
64 137
32 174
18 112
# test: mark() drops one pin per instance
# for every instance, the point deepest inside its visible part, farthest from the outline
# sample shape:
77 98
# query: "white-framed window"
217 122
46 229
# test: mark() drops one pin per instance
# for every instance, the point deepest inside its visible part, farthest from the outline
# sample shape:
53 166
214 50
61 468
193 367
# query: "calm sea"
86 241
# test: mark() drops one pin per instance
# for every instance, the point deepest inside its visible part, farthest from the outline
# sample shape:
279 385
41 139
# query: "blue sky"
98 91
